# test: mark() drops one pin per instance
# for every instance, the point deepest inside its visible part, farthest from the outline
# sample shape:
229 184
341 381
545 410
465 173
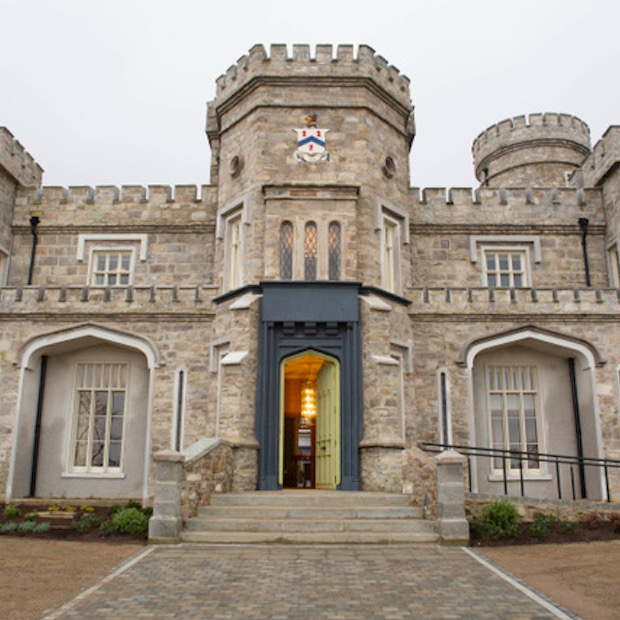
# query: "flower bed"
69 522
500 524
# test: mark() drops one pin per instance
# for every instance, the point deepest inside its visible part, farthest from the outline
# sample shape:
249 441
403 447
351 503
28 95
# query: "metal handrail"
520 456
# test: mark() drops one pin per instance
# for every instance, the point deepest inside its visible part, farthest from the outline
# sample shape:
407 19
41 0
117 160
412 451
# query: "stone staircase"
310 517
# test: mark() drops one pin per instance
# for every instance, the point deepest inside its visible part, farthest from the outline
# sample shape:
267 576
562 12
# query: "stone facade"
518 277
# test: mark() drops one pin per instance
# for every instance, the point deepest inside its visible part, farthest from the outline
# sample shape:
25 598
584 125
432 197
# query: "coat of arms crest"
311 141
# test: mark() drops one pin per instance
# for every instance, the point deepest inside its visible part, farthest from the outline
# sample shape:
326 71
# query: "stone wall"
211 473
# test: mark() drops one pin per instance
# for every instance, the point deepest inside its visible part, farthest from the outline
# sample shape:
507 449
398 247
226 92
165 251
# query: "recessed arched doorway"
309 452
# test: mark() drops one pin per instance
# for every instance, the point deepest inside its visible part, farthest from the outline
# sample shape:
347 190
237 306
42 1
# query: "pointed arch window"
334 245
286 251
310 251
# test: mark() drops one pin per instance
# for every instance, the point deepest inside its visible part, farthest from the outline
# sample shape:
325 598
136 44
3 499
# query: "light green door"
328 426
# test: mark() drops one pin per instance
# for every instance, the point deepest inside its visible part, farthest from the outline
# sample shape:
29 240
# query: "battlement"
604 155
492 206
17 161
85 205
367 64
532 127
110 194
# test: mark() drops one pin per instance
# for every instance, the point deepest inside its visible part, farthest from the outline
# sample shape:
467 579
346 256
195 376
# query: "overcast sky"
114 92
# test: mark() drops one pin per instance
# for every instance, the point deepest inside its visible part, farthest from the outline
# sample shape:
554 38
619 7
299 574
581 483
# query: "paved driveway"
307 582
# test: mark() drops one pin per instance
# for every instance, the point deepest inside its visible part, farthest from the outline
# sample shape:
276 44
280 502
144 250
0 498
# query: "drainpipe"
34 222
583 224
37 428
577 416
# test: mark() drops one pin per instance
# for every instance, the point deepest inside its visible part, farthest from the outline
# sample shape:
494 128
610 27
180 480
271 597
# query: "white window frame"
386 213
507 249
89 244
478 244
4 266
513 472
390 264
96 471
613 264
94 252
233 260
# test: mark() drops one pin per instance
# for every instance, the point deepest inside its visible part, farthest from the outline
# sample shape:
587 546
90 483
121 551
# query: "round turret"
534 152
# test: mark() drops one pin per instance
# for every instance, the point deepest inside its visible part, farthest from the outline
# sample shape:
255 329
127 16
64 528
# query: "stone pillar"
453 526
166 523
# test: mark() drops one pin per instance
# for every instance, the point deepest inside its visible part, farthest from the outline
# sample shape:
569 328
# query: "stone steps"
309 517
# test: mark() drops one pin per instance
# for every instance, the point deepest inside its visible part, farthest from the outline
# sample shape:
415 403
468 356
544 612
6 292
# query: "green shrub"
41 528
130 521
541 526
87 522
126 520
107 528
26 526
11 526
568 527
31 516
500 519
11 512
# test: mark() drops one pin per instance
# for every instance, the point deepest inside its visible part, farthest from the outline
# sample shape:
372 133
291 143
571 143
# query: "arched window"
310 248
286 251
334 243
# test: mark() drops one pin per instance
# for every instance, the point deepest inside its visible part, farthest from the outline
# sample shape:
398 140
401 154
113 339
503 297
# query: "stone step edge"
335 538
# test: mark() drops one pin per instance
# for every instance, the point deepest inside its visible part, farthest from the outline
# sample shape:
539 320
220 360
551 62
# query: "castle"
308 319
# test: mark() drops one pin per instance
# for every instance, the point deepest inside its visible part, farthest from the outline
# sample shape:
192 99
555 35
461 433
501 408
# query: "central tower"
363 105
310 159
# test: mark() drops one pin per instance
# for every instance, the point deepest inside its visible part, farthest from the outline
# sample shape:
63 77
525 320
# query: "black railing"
538 457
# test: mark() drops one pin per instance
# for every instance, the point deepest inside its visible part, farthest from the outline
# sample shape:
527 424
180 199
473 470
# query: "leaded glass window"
99 419
310 251
513 396
334 250
286 251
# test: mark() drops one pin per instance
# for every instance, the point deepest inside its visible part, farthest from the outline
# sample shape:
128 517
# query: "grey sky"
113 91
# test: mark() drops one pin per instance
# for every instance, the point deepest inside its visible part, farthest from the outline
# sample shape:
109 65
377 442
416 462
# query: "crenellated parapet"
505 206
604 156
129 204
324 65
533 150
565 303
17 161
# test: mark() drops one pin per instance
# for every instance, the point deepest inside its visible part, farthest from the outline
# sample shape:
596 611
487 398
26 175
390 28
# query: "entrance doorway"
310 421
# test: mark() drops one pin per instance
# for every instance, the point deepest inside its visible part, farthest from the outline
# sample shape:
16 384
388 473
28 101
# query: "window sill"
517 478
93 474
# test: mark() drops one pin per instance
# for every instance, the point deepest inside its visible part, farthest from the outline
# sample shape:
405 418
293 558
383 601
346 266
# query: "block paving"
210 581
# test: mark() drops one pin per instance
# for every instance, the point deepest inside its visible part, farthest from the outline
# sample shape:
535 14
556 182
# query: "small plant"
593 521
41 528
614 519
112 510
11 512
8 527
52 508
31 516
87 508
130 521
26 526
541 526
568 527
107 528
68 508
87 522
500 519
